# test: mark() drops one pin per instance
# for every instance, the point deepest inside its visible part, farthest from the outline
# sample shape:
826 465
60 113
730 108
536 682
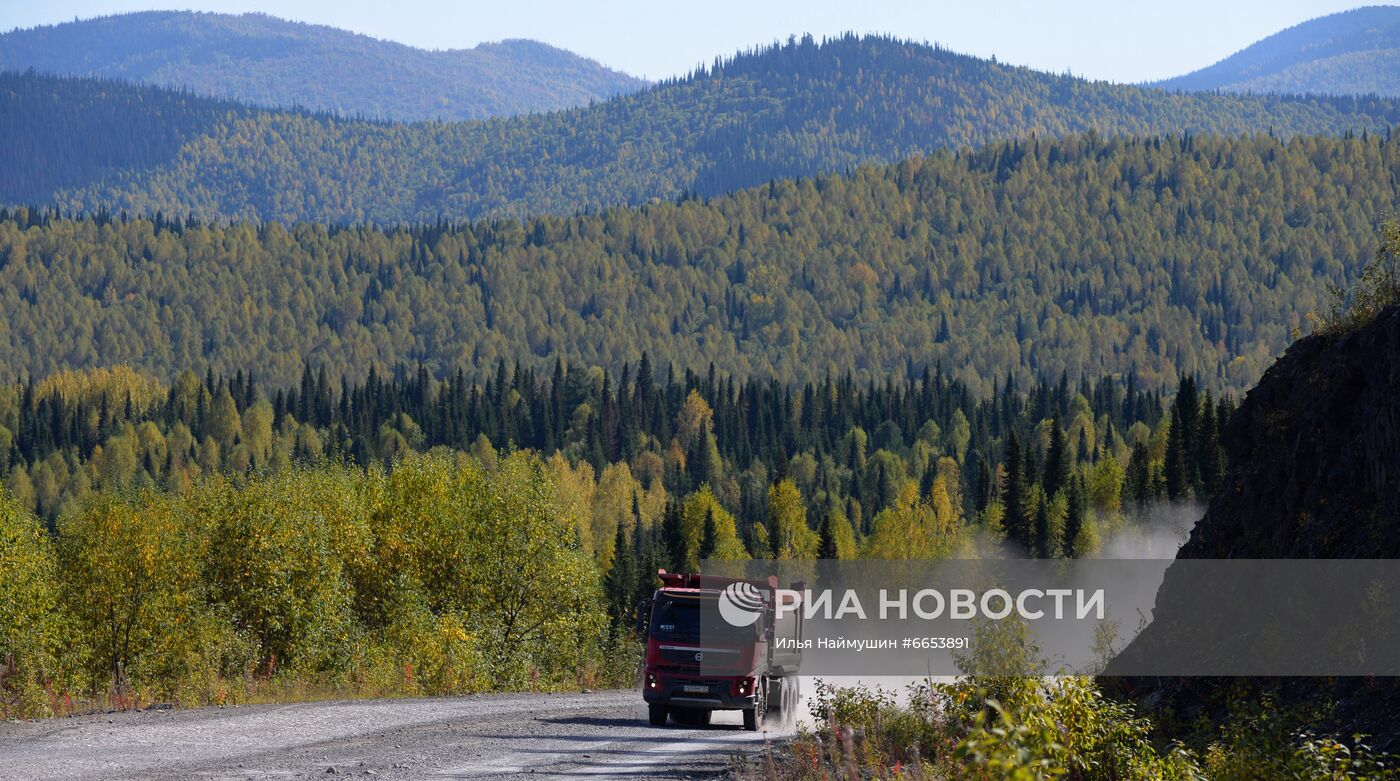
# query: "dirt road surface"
593 736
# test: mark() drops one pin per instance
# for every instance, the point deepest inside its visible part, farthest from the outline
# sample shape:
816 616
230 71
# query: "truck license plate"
695 689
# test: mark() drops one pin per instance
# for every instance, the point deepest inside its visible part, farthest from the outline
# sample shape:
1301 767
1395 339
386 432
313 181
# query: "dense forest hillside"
785 111
845 445
62 138
262 60
1083 255
1351 53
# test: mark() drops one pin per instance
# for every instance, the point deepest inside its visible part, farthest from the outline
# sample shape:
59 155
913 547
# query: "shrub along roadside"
438 577
1031 728
33 621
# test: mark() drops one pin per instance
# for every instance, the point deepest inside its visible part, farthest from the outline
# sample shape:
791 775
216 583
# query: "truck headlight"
651 681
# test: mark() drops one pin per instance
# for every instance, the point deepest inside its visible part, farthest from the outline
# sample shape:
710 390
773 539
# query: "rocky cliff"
1314 453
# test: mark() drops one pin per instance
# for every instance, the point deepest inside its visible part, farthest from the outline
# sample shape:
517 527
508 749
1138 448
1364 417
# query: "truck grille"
692 655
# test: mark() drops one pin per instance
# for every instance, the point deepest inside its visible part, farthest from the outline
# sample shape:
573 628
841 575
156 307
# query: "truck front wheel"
656 714
754 716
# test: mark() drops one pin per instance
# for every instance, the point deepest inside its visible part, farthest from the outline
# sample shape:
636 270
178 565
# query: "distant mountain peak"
766 114
1354 52
265 60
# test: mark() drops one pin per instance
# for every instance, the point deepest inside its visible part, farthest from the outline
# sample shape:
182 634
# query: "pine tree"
1188 402
1029 466
826 547
648 547
1209 457
708 535
1138 484
672 536
620 585
702 462
1056 460
926 482
1043 533
1175 470
985 485
1014 492
1074 518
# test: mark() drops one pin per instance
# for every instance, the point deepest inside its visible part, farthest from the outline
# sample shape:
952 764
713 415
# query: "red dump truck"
718 643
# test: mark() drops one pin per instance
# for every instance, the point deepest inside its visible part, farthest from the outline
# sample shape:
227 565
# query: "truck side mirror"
643 615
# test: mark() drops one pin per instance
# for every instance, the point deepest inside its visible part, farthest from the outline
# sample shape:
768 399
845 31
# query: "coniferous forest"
848 447
1085 255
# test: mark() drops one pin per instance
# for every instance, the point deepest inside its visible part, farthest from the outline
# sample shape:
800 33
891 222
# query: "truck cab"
697 662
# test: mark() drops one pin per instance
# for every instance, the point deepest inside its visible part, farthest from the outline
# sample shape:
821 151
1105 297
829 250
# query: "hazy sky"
1119 40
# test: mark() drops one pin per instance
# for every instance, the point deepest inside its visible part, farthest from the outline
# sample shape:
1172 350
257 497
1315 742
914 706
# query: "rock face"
1314 454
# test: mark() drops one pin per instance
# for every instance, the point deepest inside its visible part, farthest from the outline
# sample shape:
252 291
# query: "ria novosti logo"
741 603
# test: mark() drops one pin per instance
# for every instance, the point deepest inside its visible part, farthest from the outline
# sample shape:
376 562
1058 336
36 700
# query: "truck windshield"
683 620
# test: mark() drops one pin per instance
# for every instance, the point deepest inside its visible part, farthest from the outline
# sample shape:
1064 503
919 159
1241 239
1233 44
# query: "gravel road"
593 735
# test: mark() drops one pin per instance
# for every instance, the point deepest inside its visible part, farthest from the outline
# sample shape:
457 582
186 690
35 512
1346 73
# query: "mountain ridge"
790 110
271 62
1354 52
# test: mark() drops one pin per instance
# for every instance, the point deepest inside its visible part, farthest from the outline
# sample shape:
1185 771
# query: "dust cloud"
1156 533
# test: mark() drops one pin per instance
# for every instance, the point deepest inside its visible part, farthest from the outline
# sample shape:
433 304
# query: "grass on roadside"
1033 728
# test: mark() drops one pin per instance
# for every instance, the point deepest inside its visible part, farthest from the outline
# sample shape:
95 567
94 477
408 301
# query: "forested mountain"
1083 255
784 111
266 61
66 137
1350 53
